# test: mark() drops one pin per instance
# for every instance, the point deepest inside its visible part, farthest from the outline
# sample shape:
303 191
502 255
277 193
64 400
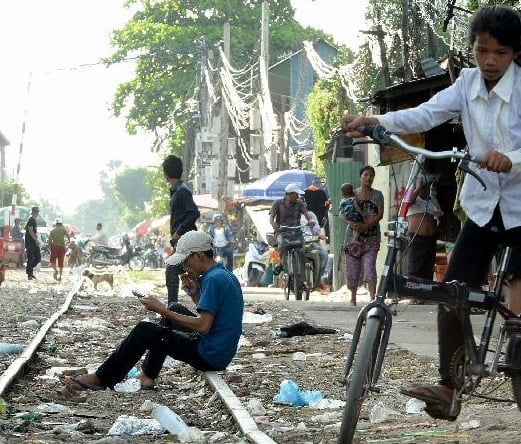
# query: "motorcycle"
151 256
45 253
76 256
219 256
103 256
255 263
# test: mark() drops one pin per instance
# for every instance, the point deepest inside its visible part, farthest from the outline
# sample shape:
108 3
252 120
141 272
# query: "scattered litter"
170 362
381 413
325 403
327 418
255 407
29 416
169 419
414 406
299 356
51 407
130 385
290 394
132 373
148 405
7 348
5 407
254 318
131 426
469 425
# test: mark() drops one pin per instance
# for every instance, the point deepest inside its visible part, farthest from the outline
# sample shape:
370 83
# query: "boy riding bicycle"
488 99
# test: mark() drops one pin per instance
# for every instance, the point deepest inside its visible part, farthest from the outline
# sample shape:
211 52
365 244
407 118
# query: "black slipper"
79 384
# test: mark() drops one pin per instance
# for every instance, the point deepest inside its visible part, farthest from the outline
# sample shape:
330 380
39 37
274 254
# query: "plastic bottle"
7 348
170 420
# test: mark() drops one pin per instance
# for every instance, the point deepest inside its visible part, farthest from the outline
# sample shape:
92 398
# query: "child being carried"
350 211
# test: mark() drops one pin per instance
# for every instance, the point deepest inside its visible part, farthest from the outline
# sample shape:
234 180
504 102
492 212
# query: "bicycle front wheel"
516 387
297 276
360 379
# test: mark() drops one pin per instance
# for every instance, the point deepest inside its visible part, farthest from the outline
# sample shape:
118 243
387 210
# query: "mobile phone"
138 294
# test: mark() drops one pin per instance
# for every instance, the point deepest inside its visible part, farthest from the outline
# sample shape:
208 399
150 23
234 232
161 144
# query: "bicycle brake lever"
376 132
464 166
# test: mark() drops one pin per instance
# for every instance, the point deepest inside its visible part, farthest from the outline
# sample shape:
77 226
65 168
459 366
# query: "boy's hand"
350 123
495 161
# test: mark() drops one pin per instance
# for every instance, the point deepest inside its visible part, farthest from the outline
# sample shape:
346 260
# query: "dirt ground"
98 320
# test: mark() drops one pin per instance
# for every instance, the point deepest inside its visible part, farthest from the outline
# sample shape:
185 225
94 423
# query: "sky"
51 81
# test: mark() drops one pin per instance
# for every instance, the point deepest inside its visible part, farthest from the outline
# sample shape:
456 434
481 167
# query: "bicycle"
364 361
298 269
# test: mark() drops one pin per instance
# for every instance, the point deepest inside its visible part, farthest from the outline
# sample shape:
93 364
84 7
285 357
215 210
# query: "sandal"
438 400
75 384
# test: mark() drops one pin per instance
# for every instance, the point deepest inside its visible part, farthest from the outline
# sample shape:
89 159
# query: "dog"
97 278
3 267
75 257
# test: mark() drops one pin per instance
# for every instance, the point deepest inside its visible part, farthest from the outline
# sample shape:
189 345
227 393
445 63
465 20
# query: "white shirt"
490 121
219 238
430 206
315 229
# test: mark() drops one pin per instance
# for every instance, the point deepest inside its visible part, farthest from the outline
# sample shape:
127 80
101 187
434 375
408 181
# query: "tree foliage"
168 39
7 188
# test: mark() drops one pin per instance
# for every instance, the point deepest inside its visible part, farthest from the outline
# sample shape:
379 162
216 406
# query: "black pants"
172 273
469 262
33 257
160 341
422 256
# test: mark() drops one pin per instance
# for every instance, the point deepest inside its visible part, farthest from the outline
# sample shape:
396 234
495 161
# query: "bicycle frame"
455 295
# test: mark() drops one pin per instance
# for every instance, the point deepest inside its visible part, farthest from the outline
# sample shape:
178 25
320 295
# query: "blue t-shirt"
220 295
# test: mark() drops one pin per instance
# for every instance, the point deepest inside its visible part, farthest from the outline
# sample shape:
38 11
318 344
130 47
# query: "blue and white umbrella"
272 187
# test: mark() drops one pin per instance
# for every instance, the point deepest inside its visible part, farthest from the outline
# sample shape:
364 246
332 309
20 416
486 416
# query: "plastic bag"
290 394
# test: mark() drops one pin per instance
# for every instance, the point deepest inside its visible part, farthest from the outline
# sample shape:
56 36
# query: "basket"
292 239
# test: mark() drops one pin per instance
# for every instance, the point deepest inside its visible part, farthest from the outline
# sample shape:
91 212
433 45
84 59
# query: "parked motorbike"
45 253
151 256
255 263
76 255
103 256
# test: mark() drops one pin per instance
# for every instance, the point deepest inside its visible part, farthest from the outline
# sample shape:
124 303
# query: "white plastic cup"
170 420
414 406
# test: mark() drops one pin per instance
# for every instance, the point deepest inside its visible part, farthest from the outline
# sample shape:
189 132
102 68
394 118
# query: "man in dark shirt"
317 201
183 215
286 212
32 244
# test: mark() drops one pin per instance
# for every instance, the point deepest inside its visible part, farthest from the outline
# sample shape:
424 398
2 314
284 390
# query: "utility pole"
265 56
223 158
380 34
407 74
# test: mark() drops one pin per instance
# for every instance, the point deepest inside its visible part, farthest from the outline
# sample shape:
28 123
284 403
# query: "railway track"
62 326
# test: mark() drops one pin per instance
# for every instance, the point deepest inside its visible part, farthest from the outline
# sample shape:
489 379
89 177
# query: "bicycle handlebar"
381 136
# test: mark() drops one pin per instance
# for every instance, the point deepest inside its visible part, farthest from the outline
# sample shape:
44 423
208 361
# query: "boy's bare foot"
146 382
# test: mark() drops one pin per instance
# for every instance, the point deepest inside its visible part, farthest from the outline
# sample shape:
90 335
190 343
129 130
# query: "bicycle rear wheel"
360 380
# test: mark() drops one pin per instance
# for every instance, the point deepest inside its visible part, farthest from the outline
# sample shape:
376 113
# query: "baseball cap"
293 188
190 242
